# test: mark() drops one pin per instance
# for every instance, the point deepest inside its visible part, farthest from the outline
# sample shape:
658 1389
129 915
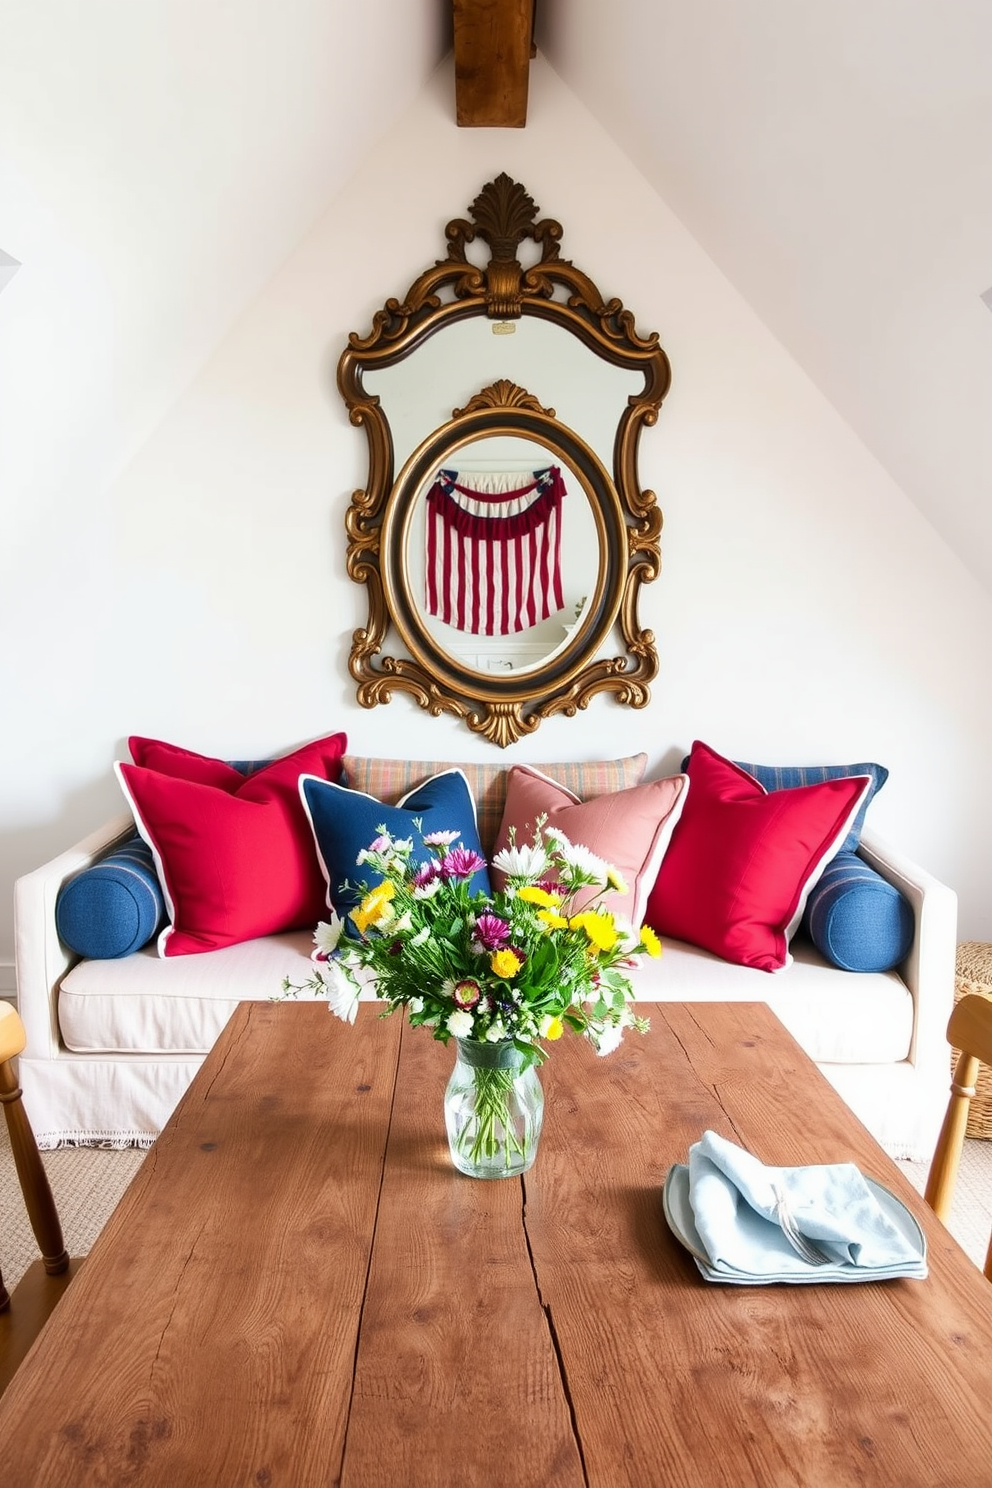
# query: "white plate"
681 1222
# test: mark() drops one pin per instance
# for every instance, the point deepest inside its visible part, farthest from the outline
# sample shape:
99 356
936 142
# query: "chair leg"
947 1154
34 1183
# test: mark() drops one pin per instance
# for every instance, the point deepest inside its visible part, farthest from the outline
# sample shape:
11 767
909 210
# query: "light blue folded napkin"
733 1199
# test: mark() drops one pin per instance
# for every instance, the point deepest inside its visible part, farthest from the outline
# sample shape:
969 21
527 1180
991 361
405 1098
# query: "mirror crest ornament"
385 521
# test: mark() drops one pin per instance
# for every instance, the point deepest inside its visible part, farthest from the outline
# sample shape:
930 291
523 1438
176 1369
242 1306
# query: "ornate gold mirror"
509 550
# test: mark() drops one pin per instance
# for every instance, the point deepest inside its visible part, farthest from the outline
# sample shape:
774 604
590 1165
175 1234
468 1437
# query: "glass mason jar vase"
493 1110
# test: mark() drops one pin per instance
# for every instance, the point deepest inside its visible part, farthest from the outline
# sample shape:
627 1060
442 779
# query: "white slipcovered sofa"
112 1045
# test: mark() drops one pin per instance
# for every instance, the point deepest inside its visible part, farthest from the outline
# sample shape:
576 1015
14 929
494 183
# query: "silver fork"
810 1253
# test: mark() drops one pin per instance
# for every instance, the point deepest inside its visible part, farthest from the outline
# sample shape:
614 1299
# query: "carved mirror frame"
503 707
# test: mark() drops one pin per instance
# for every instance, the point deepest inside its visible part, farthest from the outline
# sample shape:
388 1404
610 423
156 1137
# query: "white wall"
157 163
806 611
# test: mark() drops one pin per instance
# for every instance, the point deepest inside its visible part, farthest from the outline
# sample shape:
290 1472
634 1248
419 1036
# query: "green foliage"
522 964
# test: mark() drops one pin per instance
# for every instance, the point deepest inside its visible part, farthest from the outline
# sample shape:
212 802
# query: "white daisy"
584 862
342 994
459 1023
608 1039
527 862
327 935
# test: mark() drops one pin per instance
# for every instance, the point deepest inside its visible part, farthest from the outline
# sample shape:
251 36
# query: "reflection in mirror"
502 554
582 390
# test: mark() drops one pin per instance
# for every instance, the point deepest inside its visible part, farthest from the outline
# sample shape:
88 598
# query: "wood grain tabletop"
298 1288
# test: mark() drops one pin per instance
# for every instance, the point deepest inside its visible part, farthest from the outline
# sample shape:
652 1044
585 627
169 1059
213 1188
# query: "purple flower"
425 874
461 862
491 932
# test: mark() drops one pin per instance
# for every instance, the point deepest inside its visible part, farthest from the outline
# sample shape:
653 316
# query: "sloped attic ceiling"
833 160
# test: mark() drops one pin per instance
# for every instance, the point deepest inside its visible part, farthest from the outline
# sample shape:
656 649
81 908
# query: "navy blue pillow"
346 821
114 906
856 919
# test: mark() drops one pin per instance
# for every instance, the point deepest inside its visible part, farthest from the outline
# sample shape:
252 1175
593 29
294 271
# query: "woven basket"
973 973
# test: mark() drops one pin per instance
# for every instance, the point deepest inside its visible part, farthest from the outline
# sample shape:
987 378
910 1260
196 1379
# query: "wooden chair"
970 1030
23 1315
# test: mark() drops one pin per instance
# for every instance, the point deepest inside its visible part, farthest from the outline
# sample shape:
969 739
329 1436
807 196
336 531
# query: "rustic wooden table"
298 1288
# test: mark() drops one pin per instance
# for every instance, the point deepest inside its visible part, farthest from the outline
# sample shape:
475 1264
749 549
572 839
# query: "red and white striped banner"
494 549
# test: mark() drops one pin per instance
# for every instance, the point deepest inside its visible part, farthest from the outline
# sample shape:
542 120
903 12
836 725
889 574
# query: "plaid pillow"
388 779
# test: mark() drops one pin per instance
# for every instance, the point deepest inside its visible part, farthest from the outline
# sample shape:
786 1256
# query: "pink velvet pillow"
629 829
742 860
238 861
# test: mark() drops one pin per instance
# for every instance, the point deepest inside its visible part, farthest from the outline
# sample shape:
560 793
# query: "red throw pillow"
234 862
742 860
184 764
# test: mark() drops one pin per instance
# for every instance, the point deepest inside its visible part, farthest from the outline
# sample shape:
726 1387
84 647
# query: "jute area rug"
87 1183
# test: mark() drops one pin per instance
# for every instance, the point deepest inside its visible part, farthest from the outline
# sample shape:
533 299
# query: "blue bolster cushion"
857 920
113 907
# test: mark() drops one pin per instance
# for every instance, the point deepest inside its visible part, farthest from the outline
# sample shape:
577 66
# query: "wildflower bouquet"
497 972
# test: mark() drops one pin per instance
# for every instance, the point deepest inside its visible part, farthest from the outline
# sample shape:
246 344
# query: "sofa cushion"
144 1005
856 919
742 860
629 829
233 863
114 906
345 821
388 779
837 1019
147 1004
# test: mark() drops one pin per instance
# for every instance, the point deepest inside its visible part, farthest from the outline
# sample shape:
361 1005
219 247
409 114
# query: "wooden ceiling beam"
493 48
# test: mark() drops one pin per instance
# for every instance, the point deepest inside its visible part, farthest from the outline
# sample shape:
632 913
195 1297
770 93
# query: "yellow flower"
650 941
505 963
615 880
599 927
374 906
552 1028
552 919
534 895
